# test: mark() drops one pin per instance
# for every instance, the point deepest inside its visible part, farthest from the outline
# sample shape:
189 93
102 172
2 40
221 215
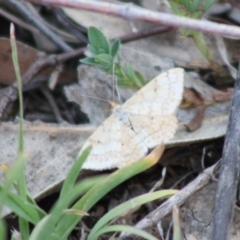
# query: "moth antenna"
84 95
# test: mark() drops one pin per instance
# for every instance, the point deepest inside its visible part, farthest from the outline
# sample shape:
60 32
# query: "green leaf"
187 4
141 81
91 61
70 195
39 229
88 60
67 223
135 78
126 84
195 5
104 58
107 69
98 40
208 4
21 184
74 172
104 62
202 45
130 71
30 212
3 229
115 48
126 206
92 50
123 228
179 2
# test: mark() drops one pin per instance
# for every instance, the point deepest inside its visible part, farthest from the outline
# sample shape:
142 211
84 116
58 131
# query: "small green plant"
105 56
193 9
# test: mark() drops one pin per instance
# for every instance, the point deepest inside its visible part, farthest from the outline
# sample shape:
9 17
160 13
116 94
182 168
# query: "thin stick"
129 11
178 199
26 13
229 171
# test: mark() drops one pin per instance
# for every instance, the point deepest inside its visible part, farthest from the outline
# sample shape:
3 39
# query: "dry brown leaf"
196 122
192 98
220 96
26 56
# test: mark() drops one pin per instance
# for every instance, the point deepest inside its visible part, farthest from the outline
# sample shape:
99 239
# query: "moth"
141 123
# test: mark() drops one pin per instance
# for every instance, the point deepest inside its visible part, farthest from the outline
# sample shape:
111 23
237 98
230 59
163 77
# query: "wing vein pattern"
142 122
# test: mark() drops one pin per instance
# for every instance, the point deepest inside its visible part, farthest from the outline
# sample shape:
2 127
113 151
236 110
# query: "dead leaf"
196 122
191 98
26 56
51 151
220 96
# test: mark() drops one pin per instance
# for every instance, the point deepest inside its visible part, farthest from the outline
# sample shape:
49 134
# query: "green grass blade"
208 4
74 172
22 187
19 83
39 229
64 201
123 228
130 204
24 209
11 175
3 231
67 223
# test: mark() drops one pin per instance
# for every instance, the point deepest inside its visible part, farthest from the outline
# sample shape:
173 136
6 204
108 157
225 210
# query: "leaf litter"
53 147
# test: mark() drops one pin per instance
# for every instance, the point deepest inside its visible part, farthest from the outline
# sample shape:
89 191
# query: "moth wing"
161 95
113 145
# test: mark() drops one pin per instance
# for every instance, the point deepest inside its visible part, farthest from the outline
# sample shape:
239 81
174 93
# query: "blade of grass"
22 187
123 228
39 228
67 223
19 84
10 180
31 212
58 210
3 231
74 172
132 203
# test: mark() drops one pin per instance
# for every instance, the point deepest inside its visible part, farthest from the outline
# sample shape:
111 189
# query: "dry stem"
130 11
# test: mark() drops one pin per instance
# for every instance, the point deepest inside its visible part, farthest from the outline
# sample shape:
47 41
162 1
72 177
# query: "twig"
229 171
68 24
18 21
22 8
178 199
130 11
144 33
52 103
